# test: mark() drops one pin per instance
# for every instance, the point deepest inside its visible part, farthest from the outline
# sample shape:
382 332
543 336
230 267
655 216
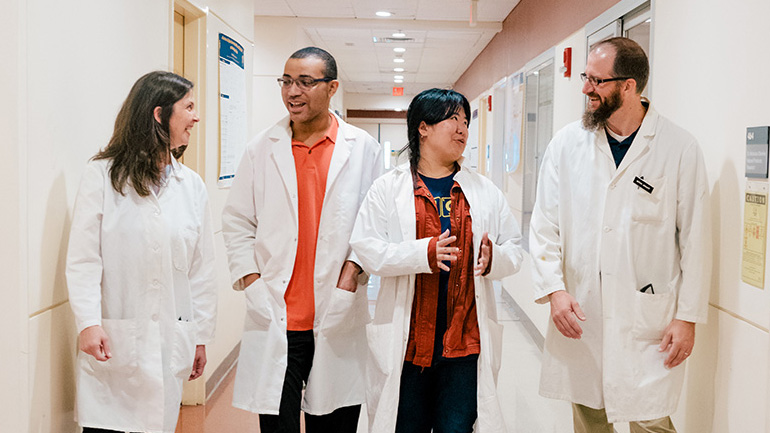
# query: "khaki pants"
588 420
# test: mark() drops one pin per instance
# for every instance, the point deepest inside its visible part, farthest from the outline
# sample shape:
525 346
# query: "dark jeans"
300 360
441 397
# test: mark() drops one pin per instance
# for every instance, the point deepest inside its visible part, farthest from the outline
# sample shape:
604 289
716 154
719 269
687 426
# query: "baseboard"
213 384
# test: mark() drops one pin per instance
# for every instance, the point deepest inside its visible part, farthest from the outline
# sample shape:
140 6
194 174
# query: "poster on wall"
514 125
754 235
232 108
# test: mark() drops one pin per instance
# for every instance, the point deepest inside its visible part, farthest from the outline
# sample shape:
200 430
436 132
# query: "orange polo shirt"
312 164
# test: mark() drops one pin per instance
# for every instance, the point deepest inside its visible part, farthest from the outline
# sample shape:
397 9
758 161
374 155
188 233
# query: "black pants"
300 360
98 430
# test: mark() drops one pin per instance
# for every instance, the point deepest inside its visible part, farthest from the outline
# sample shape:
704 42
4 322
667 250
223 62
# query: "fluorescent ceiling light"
399 35
398 60
398 77
383 14
398 69
399 50
398 81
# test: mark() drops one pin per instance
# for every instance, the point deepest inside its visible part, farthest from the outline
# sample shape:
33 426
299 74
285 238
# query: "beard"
179 151
598 118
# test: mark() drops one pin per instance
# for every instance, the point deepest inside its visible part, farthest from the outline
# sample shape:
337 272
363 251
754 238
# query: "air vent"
390 40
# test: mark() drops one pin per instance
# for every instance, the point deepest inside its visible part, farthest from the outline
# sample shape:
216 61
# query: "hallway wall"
708 75
67 67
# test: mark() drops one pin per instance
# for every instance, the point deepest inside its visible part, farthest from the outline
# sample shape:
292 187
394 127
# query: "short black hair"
330 64
431 106
630 61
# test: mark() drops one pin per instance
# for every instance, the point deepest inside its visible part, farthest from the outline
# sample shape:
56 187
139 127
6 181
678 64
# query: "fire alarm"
567 62
489 103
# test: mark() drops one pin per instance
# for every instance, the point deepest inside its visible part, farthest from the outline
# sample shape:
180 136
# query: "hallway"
524 410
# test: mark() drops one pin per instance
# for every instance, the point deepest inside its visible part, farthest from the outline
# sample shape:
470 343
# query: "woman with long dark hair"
438 234
140 265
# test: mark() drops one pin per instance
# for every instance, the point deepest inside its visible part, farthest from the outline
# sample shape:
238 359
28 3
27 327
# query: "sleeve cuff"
432 262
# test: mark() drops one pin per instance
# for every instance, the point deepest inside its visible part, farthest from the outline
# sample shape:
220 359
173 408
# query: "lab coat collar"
639 147
176 169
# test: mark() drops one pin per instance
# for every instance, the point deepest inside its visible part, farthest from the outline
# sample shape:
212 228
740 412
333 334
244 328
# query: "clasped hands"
447 253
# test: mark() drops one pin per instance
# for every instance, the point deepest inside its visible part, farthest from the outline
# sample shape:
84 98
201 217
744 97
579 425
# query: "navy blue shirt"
619 148
441 190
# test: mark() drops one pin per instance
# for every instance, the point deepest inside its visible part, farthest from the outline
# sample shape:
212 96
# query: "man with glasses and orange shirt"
286 226
620 238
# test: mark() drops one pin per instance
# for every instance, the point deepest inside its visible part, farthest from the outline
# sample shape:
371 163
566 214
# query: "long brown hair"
139 144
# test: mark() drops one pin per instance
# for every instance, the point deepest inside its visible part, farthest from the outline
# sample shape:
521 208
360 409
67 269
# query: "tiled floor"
524 410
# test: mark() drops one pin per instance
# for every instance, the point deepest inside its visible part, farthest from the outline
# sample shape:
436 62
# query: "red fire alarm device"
489 103
398 91
567 62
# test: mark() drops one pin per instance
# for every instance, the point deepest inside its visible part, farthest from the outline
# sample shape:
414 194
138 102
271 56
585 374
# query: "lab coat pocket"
650 206
182 246
379 338
341 313
258 309
182 349
496 346
122 343
652 313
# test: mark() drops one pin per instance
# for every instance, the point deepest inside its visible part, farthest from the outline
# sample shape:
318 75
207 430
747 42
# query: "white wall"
370 101
709 67
66 70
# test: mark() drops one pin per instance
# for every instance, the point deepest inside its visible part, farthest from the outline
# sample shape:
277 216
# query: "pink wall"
532 27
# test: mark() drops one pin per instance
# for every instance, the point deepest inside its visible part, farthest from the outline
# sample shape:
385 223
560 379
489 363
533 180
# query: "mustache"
179 151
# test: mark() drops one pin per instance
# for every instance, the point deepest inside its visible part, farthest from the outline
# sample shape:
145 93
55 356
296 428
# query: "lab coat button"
607 229
154 317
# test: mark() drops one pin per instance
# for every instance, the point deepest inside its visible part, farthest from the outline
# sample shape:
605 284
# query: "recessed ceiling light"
398 60
399 50
383 14
398 69
398 81
398 109
398 77
399 35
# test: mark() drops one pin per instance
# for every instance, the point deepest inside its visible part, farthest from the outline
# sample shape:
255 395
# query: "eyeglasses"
596 81
304 83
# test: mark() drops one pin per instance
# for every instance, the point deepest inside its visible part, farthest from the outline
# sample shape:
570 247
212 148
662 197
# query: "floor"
524 410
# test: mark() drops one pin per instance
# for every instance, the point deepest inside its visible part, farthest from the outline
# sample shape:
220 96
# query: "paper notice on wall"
232 108
754 237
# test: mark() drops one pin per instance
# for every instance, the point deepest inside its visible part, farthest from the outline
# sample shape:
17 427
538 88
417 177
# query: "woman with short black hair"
438 234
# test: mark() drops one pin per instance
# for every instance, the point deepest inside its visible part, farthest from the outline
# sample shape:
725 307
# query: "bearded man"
621 243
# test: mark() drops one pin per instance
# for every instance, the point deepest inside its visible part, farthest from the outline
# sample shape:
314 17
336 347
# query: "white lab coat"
259 224
143 269
598 235
384 239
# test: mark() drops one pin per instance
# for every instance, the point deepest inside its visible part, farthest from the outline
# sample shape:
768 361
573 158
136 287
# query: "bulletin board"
514 124
232 108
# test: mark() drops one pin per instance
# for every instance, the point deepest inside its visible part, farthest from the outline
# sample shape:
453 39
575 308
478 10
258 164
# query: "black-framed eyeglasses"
596 81
304 83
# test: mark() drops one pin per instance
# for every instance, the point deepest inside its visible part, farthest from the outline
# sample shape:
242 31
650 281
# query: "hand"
444 252
94 341
348 279
485 257
678 340
199 362
564 309
249 279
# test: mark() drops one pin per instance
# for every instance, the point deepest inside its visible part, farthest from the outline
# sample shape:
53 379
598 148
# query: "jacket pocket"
342 312
258 309
182 247
650 206
652 313
379 338
182 349
122 343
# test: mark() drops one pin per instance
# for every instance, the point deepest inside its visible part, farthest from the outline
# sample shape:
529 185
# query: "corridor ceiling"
439 40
